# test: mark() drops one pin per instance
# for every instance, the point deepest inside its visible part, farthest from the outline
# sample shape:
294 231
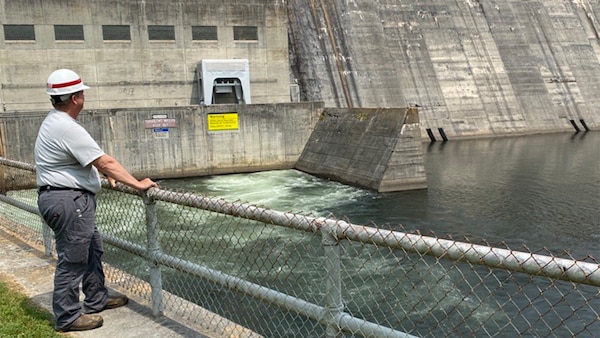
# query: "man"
67 163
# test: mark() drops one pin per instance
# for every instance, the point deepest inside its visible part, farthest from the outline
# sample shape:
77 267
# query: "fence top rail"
533 264
17 164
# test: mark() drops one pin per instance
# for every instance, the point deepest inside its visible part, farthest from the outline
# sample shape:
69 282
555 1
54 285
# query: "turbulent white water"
284 190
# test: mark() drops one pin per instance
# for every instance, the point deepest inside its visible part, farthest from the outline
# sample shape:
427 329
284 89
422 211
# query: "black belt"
49 187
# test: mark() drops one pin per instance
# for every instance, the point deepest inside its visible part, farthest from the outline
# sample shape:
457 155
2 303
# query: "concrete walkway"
28 267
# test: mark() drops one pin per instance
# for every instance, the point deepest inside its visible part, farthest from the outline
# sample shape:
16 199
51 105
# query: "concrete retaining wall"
268 137
379 149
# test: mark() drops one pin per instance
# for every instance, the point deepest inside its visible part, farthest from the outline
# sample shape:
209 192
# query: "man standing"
67 162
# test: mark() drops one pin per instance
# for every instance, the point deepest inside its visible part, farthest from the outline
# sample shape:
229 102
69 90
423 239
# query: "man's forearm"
112 168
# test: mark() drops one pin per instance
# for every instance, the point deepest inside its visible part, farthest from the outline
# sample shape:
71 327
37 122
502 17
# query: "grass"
21 317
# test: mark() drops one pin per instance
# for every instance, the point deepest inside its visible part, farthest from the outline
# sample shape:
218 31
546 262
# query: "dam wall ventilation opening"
223 81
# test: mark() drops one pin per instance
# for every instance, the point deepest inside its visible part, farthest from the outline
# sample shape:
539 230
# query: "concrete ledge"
378 149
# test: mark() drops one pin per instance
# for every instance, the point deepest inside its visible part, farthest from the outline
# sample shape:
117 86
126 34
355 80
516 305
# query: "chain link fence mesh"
220 263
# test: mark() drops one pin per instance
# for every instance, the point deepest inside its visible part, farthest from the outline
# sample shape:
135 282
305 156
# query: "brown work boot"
113 303
84 322
116 301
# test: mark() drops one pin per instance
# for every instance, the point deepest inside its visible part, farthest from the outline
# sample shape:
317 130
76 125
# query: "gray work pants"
71 215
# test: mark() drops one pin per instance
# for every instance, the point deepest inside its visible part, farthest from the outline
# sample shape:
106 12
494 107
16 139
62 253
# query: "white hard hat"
64 81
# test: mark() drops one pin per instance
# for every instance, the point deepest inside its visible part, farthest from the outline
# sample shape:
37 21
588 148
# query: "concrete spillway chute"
224 81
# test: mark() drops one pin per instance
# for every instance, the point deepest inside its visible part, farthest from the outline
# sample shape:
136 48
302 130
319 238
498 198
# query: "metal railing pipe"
368 329
19 204
539 265
17 164
47 233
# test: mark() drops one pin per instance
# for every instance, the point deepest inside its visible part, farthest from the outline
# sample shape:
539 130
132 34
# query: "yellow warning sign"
226 121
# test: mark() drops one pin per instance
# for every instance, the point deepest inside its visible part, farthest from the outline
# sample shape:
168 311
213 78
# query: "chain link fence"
213 263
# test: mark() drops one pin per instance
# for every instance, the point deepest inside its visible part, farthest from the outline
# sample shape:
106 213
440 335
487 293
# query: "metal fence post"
333 281
153 250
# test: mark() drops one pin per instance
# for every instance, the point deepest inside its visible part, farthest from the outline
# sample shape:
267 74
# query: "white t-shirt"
64 151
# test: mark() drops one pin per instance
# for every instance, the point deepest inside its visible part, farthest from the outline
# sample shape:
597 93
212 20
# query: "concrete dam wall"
472 67
140 53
